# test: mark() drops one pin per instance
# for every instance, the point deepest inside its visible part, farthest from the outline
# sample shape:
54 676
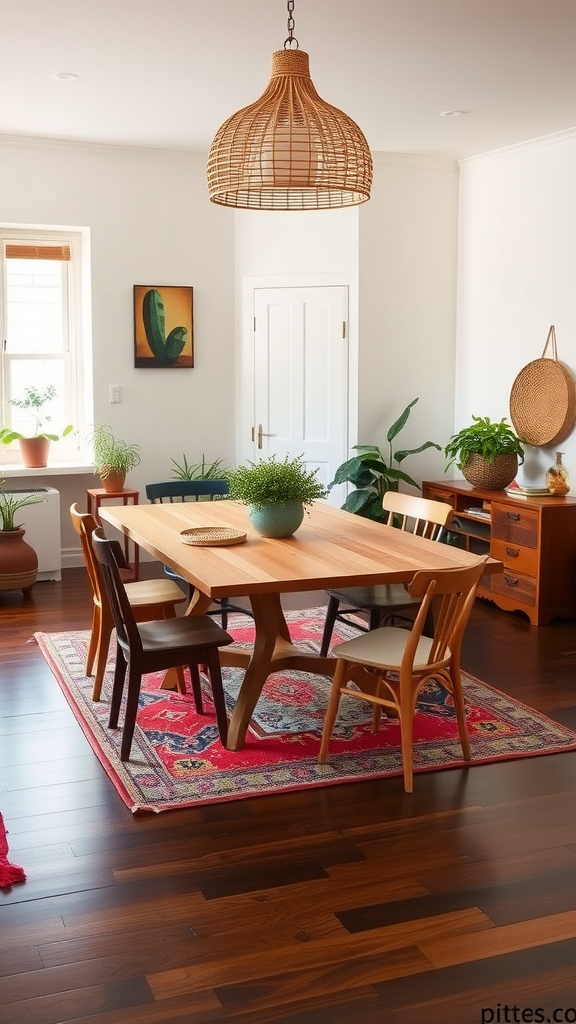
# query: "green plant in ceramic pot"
487 453
113 458
18 560
35 446
373 473
276 492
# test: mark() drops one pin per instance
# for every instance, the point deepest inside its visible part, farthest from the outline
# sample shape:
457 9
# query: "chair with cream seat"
149 599
386 601
155 646
389 666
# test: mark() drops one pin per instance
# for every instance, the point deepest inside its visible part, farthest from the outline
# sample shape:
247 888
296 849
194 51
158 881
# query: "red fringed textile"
9 873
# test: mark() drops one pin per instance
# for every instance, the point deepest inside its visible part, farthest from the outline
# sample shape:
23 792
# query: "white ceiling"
167 73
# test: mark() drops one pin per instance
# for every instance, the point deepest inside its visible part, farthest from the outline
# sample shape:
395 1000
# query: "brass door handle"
261 434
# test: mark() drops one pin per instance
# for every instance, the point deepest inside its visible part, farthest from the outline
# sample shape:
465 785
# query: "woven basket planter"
491 476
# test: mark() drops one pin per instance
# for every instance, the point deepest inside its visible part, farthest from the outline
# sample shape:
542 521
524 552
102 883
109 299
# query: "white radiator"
42 524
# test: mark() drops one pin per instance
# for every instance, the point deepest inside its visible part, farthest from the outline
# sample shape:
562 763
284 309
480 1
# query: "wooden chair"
149 599
418 515
143 647
390 665
194 490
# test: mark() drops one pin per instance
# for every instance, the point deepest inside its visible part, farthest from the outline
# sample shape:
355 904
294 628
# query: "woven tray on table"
543 399
212 536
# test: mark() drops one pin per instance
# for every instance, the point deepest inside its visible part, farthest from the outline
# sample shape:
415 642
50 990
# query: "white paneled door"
301 376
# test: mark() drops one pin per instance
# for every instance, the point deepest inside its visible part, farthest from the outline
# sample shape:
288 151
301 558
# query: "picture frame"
163 327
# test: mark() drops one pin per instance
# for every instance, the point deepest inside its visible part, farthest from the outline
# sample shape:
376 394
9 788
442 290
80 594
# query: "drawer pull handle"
514 517
510 581
513 552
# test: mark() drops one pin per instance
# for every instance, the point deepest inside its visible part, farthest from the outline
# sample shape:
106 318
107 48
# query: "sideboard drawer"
514 585
515 556
517 526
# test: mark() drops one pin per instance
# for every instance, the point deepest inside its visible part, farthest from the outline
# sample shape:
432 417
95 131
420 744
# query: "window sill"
55 469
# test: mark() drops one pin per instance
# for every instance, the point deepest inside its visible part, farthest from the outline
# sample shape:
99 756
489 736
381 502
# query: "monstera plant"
164 349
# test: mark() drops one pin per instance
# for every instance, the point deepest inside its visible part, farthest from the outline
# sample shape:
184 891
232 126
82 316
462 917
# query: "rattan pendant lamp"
290 150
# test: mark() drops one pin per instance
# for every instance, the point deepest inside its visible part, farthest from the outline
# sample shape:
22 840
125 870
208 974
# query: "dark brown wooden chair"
191 640
149 599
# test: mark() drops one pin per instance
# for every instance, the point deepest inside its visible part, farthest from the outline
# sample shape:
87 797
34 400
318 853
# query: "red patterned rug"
177 759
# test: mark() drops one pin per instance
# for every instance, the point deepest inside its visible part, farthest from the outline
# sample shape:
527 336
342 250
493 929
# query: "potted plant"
18 561
374 473
36 445
113 458
487 453
199 470
276 492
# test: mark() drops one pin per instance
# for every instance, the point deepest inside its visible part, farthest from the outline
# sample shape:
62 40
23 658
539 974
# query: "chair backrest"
456 589
182 490
85 524
122 614
418 515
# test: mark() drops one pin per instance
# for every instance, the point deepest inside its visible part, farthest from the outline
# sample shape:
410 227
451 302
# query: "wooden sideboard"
535 538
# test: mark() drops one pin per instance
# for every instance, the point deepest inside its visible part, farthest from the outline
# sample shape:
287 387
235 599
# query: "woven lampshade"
290 150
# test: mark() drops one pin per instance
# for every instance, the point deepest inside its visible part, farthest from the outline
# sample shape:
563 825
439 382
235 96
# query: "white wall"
151 223
407 272
517 274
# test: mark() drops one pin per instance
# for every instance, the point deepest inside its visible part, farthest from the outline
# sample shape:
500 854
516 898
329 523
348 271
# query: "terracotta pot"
492 476
18 561
114 482
34 451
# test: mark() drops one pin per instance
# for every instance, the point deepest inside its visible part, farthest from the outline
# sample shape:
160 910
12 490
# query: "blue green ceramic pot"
277 520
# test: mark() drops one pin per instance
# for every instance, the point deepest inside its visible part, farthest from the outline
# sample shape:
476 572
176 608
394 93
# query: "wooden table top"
331 549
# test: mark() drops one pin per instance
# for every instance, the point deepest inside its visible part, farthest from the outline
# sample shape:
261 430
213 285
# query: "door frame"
245 412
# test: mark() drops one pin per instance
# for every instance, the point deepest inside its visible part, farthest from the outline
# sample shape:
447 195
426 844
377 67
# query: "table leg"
273 651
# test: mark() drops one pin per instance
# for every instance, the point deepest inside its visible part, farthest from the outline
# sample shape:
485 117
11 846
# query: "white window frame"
77 361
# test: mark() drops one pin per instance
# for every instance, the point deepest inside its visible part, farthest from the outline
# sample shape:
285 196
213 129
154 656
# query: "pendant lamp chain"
290 150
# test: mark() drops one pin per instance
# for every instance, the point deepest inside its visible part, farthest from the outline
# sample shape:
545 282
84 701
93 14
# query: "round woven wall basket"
490 476
543 399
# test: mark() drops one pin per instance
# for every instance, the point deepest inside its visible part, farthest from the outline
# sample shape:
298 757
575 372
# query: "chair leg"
460 707
134 683
224 612
332 710
218 693
196 689
117 687
94 634
374 618
331 613
106 626
406 736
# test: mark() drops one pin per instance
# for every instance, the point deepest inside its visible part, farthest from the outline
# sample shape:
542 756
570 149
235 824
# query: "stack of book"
516 491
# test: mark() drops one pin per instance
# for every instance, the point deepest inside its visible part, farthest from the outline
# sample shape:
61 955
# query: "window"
45 337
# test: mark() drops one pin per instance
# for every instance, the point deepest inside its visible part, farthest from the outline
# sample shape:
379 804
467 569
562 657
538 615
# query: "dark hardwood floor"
456 905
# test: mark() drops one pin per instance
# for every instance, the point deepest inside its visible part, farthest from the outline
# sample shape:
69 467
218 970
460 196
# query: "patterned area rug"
177 759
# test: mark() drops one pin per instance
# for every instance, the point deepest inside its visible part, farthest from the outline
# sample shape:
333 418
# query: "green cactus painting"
163 326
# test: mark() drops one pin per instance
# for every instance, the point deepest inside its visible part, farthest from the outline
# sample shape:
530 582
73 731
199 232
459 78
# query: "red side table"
95 496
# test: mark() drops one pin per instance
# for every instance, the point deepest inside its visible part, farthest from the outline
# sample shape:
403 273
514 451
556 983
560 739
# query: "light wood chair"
143 647
418 515
149 599
391 665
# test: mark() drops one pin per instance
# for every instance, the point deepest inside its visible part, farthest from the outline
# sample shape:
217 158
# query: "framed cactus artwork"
163 326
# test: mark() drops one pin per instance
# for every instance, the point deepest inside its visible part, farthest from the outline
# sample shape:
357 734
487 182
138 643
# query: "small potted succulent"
35 446
113 458
487 453
276 492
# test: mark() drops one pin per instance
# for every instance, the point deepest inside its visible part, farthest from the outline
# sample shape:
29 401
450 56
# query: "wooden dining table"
331 550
